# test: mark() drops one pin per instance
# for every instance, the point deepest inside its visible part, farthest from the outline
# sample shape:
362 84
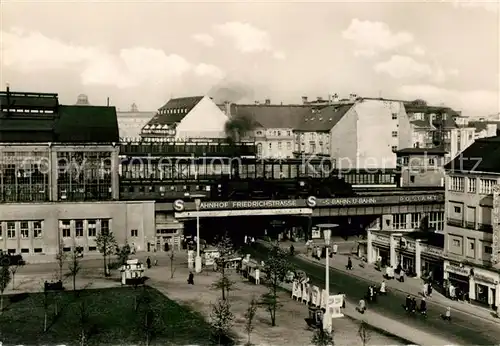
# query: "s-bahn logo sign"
311 201
179 205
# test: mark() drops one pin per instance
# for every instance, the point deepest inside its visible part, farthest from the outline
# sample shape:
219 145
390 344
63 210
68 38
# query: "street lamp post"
197 261
328 320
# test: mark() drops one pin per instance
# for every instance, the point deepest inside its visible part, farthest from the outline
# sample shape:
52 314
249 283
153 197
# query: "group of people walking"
411 306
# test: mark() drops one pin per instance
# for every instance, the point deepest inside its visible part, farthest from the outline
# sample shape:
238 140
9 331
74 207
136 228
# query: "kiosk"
132 271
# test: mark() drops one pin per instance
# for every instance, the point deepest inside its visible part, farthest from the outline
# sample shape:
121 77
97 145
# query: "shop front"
432 263
406 255
168 233
485 287
458 276
381 246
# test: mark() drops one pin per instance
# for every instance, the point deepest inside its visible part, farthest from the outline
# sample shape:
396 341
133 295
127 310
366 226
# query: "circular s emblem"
179 205
311 201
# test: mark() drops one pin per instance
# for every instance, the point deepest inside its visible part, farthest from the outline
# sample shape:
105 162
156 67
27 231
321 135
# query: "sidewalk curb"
305 258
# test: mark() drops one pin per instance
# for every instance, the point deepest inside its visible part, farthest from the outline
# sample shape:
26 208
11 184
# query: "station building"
59 182
472 245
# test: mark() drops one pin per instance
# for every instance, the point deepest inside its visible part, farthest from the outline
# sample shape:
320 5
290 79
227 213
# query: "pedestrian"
156 262
148 262
257 276
318 253
361 306
425 290
447 314
402 275
407 305
335 249
423 306
349 263
190 278
429 289
413 304
292 250
383 290
246 240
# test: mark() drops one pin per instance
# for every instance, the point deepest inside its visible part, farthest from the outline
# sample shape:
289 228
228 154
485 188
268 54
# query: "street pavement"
464 329
411 286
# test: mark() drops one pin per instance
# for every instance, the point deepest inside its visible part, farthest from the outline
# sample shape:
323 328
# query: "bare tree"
172 267
45 302
276 267
74 266
13 270
136 283
364 333
249 317
83 321
221 320
106 244
151 322
225 248
322 337
60 258
4 282
45 308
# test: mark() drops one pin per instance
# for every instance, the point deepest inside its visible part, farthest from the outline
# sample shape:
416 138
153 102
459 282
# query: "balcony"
470 225
455 222
483 227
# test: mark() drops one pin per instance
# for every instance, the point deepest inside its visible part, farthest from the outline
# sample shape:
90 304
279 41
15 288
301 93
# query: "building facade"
460 139
471 244
186 118
59 181
370 132
420 167
131 122
418 253
432 126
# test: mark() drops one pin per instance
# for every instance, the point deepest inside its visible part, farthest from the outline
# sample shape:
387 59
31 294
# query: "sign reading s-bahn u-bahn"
311 202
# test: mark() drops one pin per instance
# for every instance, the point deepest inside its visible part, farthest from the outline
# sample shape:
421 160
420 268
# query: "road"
463 330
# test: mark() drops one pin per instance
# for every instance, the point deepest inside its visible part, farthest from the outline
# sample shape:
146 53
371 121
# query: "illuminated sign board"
310 202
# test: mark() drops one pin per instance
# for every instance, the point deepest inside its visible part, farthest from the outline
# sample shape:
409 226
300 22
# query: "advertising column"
393 255
418 258
370 256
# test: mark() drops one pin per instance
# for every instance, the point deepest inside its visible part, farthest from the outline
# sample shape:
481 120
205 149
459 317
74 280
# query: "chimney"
352 97
335 97
319 98
304 100
8 98
227 108
267 102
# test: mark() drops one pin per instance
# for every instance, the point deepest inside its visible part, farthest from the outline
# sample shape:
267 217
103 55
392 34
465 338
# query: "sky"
147 52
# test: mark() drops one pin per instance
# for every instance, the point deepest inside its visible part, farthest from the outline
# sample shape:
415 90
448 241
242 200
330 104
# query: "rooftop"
174 111
309 118
481 156
36 118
